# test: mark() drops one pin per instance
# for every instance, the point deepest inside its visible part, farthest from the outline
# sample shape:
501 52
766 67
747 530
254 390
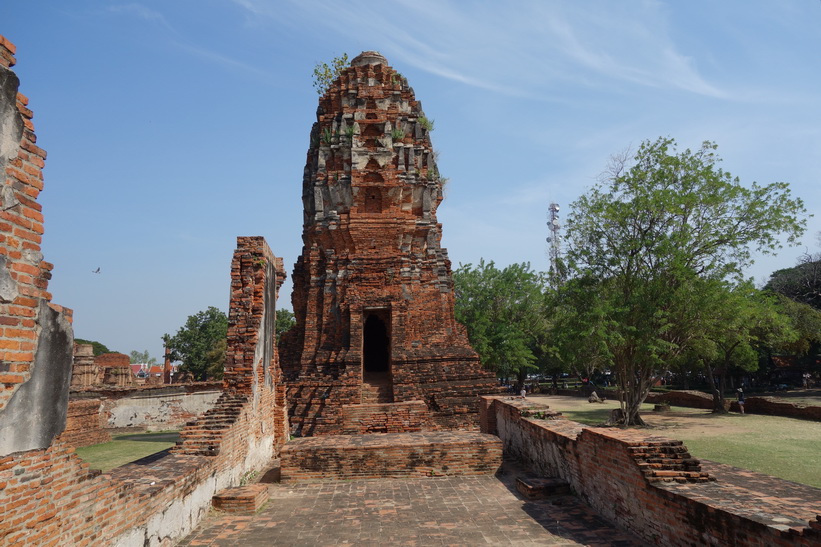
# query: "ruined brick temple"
373 294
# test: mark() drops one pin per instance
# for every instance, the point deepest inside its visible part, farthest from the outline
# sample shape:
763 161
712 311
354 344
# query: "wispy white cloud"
522 49
228 62
142 12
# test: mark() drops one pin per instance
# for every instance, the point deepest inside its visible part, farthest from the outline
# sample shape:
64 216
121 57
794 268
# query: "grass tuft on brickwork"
125 449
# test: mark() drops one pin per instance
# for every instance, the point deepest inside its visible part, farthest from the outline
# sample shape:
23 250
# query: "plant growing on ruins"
397 134
427 124
647 238
350 131
325 74
327 135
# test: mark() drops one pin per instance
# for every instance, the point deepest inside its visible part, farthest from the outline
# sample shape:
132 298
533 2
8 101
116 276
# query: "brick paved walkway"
483 510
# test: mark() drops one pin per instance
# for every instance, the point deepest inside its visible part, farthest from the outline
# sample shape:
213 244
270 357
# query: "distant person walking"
740 396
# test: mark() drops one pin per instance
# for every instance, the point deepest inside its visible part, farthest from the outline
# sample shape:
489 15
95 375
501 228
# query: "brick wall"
48 495
427 454
35 335
84 424
115 369
384 418
639 481
690 399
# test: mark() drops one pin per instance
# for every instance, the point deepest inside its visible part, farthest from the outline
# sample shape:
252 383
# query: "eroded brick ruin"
373 294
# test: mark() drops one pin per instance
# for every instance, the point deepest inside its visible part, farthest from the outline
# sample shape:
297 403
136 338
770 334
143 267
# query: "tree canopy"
649 237
503 311
285 320
142 357
201 343
801 283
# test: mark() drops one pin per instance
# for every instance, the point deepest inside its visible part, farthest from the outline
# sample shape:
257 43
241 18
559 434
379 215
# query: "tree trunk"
717 391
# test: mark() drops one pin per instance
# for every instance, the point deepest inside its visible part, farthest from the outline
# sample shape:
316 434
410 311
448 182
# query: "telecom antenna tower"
554 241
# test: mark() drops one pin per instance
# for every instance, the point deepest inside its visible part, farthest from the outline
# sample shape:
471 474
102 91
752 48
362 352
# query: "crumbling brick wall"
48 496
35 337
639 481
84 425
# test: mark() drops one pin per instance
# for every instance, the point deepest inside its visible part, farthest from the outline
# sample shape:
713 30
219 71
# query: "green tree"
806 321
325 74
201 343
503 311
654 227
142 357
97 347
739 324
285 320
802 282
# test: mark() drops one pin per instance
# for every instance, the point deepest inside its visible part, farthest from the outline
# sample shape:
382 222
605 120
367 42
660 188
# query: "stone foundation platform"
241 499
391 455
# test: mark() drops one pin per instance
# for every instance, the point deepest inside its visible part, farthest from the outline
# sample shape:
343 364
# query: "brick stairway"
667 461
202 436
376 388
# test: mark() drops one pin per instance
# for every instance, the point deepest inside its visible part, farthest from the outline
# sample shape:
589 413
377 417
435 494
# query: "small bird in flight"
97 270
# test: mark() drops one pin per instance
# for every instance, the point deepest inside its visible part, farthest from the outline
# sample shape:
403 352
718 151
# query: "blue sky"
174 126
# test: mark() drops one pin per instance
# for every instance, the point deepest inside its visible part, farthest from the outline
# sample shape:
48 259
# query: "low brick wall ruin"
428 454
84 425
92 413
773 407
643 483
689 399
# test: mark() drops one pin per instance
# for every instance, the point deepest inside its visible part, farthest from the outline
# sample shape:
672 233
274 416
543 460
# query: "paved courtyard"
483 510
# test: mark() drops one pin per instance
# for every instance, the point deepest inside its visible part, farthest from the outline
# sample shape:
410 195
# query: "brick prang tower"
373 293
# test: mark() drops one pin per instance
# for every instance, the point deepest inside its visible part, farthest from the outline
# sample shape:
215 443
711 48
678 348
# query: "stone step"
390 455
241 499
539 488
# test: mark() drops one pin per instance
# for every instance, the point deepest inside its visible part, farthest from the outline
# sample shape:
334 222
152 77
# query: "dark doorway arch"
375 346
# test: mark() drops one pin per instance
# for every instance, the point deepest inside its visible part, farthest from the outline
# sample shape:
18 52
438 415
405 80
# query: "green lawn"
783 447
125 449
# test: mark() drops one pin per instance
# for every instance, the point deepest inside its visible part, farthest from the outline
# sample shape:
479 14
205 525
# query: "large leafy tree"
503 311
201 343
645 238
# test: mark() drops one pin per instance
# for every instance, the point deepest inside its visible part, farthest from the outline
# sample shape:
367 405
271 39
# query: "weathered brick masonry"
35 337
647 484
427 454
373 294
48 496
93 411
